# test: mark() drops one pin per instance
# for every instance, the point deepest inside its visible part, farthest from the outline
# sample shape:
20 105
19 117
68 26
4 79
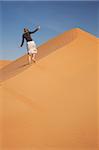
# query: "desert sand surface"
52 105
98 89
4 63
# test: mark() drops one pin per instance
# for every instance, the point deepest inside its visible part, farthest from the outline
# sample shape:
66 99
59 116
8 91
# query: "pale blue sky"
53 17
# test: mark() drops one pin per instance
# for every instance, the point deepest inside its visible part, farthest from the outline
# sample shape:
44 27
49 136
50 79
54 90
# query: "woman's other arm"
22 41
35 30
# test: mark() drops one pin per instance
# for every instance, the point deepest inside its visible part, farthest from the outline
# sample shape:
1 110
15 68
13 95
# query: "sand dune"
20 64
4 63
52 105
98 88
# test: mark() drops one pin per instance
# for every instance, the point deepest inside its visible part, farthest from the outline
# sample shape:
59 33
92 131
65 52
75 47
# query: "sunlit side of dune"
52 105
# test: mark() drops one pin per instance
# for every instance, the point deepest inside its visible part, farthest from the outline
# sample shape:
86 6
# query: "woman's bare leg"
34 57
29 59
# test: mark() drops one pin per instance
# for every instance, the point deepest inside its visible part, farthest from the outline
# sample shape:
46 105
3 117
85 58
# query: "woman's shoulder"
26 34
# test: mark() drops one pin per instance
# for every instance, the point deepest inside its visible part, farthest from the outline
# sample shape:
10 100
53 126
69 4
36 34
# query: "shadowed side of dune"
20 64
4 63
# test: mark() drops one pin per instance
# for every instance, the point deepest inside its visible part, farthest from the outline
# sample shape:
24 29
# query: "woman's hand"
38 27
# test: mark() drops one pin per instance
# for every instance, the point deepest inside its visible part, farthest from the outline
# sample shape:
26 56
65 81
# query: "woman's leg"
29 59
34 57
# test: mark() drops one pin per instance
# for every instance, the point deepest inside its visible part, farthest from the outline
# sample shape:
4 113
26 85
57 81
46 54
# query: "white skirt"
31 47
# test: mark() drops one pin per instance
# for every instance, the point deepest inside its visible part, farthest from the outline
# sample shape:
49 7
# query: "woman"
31 46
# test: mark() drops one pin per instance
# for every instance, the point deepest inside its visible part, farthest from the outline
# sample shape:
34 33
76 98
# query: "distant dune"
52 105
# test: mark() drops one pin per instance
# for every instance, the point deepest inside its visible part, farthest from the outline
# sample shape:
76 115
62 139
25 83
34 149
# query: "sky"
54 17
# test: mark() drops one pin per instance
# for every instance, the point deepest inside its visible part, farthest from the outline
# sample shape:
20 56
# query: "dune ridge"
43 50
52 45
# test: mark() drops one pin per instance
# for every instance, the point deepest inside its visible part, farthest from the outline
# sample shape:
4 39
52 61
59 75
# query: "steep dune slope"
21 64
53 104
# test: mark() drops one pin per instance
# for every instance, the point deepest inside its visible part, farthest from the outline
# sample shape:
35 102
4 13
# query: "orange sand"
52 105
4 63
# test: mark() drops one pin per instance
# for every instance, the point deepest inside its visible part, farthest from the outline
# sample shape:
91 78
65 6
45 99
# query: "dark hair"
26 30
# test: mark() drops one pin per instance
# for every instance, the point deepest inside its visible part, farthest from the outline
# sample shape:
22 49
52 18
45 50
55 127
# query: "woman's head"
26 30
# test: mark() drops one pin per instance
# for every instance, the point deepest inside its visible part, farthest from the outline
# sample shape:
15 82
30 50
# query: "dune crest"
52 45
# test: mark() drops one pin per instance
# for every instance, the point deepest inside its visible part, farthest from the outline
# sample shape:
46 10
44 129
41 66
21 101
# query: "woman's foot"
34 60
30 62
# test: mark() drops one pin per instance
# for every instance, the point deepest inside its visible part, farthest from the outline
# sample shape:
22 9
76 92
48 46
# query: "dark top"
27 36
